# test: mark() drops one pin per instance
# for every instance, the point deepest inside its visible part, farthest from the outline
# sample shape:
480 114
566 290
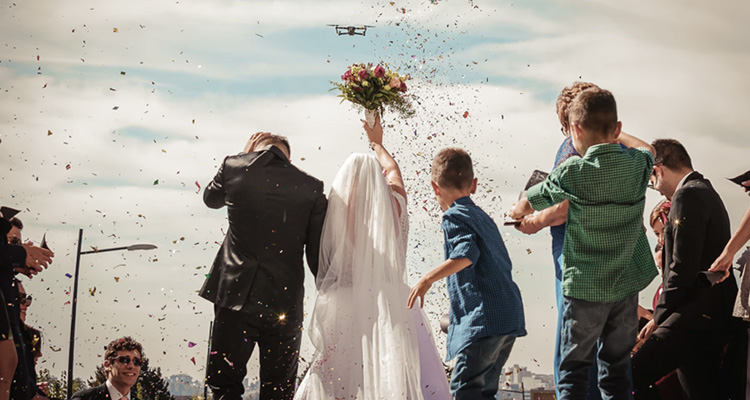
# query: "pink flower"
379 71
363 74
395 83
347 75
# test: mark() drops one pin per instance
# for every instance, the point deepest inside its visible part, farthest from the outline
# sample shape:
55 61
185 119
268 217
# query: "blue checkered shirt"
483 297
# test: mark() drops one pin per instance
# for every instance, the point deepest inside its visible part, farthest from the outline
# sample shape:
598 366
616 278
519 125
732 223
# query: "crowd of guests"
20 344
692 343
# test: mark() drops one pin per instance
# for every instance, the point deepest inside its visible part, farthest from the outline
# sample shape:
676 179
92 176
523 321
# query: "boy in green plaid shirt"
606 258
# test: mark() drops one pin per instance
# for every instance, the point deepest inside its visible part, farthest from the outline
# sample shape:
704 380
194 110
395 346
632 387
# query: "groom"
256 281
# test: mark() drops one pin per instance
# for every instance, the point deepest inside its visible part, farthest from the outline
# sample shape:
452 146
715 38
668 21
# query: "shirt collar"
114 394
464 201
684 178
602 148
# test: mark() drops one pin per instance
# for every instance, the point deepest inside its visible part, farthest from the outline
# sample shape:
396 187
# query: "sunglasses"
125 360
24 298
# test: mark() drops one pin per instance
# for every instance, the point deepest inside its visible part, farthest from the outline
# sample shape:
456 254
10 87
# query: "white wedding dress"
368 345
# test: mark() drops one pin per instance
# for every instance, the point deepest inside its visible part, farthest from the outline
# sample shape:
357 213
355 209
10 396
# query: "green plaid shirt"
606 256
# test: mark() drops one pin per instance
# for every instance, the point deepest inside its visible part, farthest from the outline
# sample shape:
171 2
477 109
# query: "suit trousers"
696 355
233 341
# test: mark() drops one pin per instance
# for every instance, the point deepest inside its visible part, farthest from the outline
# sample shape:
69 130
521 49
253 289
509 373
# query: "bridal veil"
364 336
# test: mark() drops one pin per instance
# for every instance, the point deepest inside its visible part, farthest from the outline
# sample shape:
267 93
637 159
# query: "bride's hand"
418 291
374 134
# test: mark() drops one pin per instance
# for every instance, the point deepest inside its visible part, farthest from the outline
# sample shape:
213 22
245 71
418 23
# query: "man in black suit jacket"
123 358
692 318
256 282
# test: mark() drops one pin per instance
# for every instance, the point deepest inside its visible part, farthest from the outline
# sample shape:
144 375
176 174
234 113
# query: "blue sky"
198 82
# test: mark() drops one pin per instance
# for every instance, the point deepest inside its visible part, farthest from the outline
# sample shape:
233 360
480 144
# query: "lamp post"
208 359
75 296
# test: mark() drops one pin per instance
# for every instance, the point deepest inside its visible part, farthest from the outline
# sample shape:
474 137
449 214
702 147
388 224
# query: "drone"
351 30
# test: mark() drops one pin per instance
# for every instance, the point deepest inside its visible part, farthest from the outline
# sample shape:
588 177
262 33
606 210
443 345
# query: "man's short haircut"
566 97
125 343
671 154
596 110
33 339
277 140
17 223
452 169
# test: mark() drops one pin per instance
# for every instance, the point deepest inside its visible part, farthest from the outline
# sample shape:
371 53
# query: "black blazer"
695 235
96 393
275 213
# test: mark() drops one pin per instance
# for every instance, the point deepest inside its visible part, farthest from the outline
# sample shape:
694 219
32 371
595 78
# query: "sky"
115 115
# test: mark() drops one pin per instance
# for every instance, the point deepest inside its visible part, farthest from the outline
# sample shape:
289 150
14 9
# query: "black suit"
96 393
275 213
693 317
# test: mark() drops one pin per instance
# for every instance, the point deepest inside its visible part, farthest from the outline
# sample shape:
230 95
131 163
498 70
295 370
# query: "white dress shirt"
114 394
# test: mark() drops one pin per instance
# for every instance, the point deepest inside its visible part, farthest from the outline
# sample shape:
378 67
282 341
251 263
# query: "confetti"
199 187
193 360
69 275
156 182
114 30
466 114
191 344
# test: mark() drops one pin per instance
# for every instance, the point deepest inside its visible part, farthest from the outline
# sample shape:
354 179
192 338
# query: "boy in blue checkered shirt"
486 309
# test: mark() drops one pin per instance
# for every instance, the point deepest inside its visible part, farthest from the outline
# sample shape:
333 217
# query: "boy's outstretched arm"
447 268
633 142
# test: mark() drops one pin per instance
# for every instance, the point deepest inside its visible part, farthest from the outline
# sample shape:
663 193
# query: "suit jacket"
96 393
275 213
695 235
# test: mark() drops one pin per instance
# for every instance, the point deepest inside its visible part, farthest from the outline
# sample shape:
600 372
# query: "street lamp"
75 296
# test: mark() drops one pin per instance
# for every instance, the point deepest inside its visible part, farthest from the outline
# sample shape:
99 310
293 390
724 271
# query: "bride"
368 345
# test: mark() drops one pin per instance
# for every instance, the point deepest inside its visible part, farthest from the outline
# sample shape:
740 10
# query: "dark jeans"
234 338
478 367
592 393
603 332
696 355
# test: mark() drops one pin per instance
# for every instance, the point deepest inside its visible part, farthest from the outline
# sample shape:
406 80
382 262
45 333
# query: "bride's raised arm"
393 172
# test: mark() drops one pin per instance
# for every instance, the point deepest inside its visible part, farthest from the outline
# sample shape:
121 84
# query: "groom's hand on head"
254 140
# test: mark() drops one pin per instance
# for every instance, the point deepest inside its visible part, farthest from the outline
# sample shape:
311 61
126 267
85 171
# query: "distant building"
542 394
518 382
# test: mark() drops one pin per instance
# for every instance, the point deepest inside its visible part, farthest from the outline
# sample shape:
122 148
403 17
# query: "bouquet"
374 89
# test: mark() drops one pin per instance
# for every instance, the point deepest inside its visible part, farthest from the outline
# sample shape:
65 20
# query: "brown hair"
671 154
125 343
566 97
277 140
33 340
660 212
452 169
596 110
